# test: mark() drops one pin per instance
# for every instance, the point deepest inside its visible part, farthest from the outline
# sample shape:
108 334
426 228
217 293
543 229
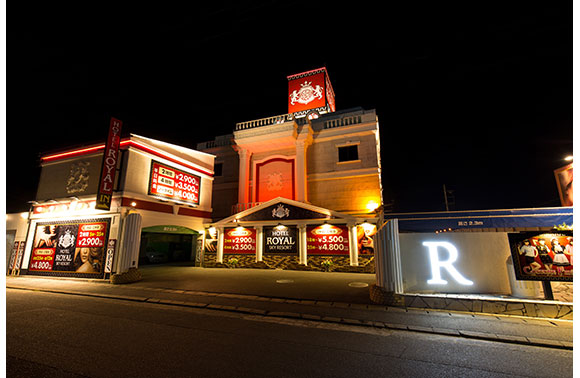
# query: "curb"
520 340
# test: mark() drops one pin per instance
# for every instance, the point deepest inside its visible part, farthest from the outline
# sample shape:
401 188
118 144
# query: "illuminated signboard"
69 247
171 183
543 257
280 239
327 240
239 240
310 90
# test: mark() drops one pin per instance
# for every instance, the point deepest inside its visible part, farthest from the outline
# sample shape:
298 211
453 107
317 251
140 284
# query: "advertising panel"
327 239
210 240
364 234
109 167
239 240
174 184
564 181
70 247
543 257
306 92
280 240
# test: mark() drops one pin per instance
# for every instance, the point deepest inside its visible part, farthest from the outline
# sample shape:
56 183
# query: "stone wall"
315 263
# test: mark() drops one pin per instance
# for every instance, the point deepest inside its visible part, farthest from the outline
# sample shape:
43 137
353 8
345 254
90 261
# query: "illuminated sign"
310 90
454 262
109 167
280 239
69 247
239 240
174 184
437 264
327 240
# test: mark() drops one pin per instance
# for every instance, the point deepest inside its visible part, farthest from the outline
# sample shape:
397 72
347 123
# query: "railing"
244 206
264 122
224 140
344 121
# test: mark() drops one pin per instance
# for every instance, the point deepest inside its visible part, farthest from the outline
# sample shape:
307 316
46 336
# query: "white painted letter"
436 265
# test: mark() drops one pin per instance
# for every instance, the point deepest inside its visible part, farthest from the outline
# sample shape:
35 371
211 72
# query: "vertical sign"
109 168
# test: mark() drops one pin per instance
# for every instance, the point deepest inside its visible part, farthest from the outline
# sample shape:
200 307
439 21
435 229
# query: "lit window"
348 153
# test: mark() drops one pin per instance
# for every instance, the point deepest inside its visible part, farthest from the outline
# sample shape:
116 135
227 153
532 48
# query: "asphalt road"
56 335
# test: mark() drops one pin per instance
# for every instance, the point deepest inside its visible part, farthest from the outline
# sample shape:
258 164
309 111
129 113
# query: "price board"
327 240
172 183
240 240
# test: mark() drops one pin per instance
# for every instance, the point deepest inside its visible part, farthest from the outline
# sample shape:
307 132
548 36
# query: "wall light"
372 206
133 204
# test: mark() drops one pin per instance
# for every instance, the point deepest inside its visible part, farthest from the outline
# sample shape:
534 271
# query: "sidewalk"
304 296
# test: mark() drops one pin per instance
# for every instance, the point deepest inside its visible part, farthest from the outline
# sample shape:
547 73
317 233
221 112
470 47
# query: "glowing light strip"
124 143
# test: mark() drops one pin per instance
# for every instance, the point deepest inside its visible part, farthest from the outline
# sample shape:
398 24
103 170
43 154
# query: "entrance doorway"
167 244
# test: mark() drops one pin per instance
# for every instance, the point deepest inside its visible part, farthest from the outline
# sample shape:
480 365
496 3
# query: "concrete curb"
316 318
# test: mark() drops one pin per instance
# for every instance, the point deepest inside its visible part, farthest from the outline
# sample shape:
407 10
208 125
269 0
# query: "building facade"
161 198
312 161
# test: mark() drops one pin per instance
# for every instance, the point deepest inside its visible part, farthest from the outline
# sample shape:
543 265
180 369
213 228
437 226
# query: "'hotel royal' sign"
109 167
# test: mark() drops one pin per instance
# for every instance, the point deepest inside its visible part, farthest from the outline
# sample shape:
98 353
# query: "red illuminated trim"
124 143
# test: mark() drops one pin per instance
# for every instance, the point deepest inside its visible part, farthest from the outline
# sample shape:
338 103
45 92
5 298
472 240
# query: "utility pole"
449 197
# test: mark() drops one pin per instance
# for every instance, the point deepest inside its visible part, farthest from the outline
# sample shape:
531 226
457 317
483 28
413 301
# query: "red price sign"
327 240
42 259
239 240
92 235
172 183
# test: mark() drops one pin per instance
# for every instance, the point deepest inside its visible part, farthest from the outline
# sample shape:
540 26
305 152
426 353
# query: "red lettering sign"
42 259
172 183
91 235
327 240
239 240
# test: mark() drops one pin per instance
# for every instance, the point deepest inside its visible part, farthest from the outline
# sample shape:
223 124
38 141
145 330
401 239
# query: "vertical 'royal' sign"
109 168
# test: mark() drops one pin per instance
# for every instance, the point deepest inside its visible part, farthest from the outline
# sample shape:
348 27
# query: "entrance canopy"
284 211
170 230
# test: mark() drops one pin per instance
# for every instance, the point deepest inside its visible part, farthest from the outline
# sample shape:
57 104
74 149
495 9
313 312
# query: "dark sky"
474 95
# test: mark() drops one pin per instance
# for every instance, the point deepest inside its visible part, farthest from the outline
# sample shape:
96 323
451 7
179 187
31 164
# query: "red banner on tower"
109 167
310 91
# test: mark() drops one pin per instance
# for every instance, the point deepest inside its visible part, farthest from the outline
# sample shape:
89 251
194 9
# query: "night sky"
474 95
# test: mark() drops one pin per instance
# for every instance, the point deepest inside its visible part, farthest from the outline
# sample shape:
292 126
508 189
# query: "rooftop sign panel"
309 92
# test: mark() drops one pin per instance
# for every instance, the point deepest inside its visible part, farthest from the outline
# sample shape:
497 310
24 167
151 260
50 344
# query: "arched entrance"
167 244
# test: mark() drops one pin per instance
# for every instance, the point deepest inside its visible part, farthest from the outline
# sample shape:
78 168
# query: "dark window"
217 169
348 153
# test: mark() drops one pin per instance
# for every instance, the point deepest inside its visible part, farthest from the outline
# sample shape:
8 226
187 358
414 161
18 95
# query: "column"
303 140
244 178
259 243
353 244
302 252
301 183
220 247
